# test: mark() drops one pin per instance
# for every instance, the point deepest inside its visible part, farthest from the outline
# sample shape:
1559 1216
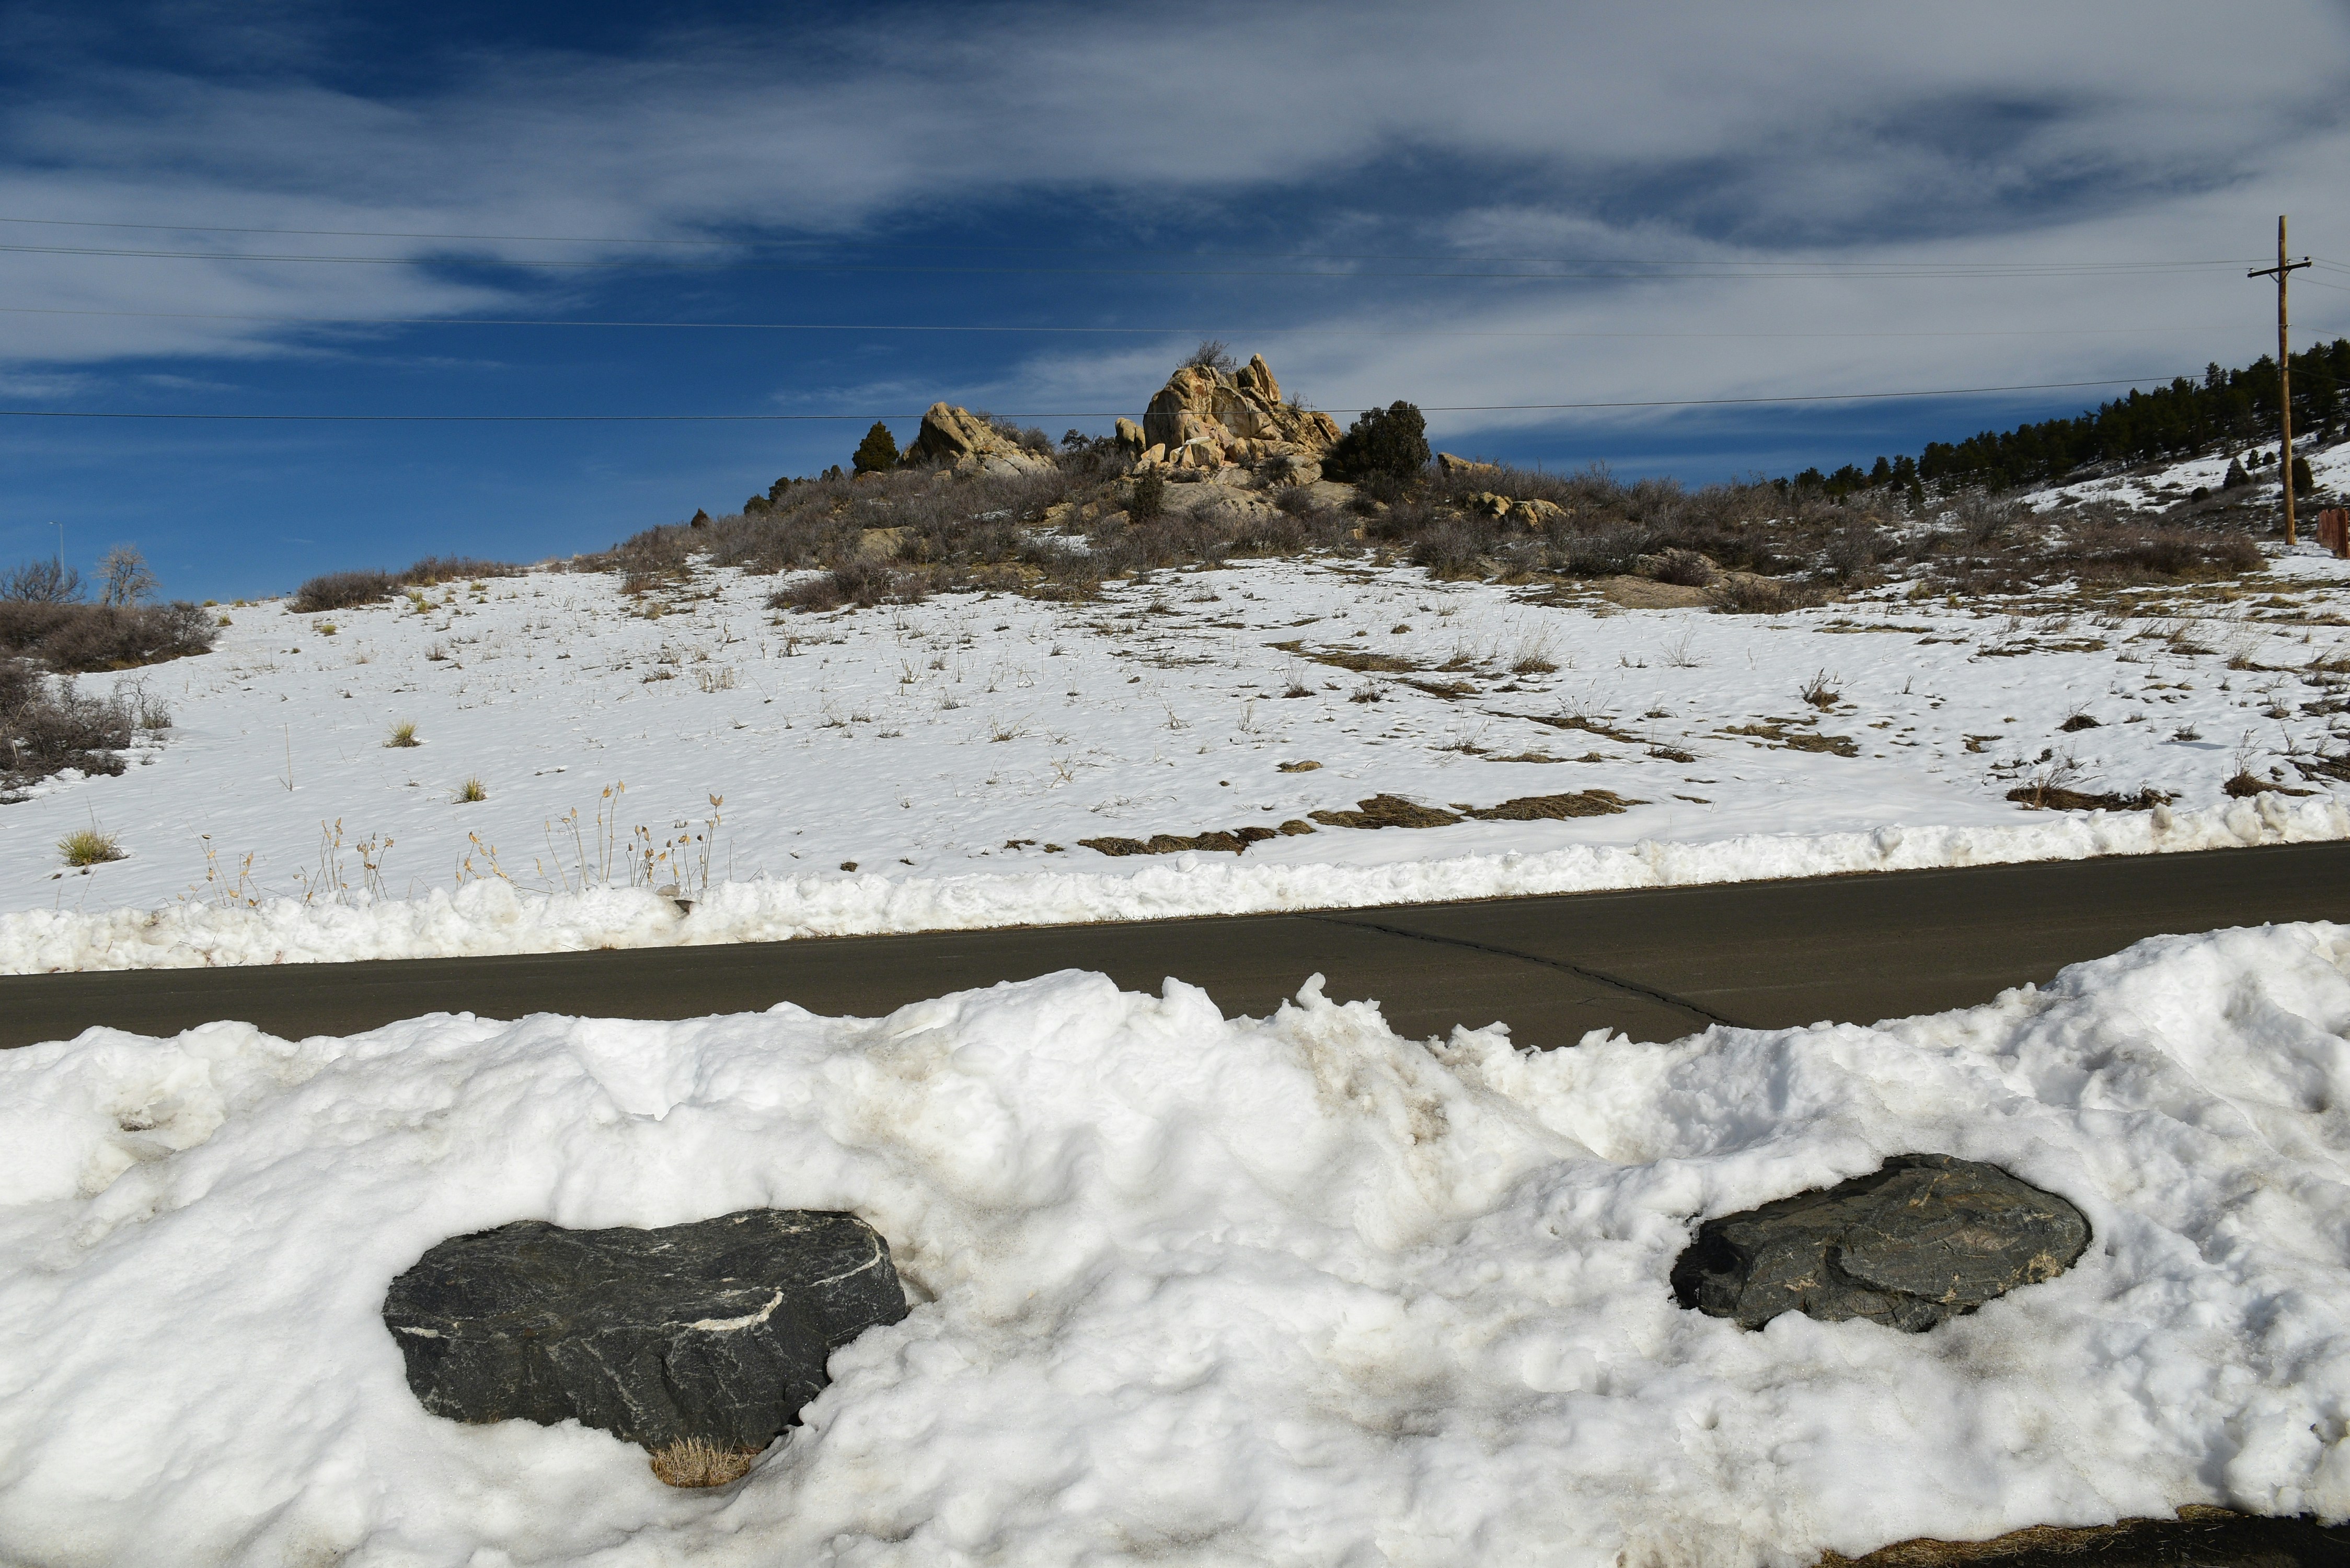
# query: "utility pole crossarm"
2282 272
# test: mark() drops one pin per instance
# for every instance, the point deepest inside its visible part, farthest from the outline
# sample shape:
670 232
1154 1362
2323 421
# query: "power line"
1135 331
1081 414
1080 250
1616 272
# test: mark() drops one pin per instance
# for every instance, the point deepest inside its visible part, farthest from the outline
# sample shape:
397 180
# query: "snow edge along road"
492 918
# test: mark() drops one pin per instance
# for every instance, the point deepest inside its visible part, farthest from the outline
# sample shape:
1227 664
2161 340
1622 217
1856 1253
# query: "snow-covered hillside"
2159 487
1196 1290
942 763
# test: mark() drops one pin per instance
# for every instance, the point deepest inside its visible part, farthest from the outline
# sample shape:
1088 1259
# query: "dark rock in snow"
718 1329
1924 1238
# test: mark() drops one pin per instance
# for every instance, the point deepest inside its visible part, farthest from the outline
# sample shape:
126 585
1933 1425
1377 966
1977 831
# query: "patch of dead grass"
696 1462
1554 807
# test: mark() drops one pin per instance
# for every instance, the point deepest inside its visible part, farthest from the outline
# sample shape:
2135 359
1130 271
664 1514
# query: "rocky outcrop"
960 439
1536 514
1924 1238
716 1331
1204 421
1452 467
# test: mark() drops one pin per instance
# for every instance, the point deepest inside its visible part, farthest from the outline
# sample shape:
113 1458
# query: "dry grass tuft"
403 733
90 846
695 1461
471 790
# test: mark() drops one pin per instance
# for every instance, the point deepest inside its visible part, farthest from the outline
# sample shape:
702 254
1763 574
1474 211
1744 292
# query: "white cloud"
1715 132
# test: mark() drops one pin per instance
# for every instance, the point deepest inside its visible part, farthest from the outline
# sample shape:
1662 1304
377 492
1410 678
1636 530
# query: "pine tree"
877 452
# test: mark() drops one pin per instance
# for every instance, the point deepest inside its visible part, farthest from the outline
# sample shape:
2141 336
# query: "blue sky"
1786 200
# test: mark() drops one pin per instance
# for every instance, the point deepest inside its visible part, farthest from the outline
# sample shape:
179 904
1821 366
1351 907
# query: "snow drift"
1199 1290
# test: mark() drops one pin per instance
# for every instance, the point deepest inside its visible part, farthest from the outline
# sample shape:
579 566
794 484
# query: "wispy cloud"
1728 133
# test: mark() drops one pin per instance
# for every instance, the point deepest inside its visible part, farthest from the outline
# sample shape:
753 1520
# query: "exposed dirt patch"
1360 663
1233 843
1776 733
2045 798
2313 767
1585 722
2243 786
1451 690
1553 807
2212 1536
1385 811
1643 593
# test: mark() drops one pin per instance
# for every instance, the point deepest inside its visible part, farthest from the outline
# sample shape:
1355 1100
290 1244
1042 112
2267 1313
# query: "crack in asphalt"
1598 976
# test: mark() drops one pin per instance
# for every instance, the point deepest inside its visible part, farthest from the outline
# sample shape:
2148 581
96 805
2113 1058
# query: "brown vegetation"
85 636
344 590
46 726
696 1462
1750 547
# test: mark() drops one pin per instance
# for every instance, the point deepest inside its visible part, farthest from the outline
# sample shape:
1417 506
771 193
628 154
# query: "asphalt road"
1655 964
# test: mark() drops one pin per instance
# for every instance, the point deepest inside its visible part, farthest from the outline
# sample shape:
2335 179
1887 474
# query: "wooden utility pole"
2280 272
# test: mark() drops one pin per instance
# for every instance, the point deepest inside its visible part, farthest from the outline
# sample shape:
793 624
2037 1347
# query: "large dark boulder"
1924 1238
716 1330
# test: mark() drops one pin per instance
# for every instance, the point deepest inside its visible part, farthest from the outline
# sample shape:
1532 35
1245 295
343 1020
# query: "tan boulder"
958 439
1534 514
1129 438
1241 414
1285 470
1452 467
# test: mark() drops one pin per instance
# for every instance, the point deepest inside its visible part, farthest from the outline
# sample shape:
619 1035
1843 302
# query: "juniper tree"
1392 441
877 452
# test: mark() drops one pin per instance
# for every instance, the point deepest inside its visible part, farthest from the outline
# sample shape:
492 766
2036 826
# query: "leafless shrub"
862 583
1609 551
1854 550
82 636
41 583
434 570
342 590
124 577
47 727
1758 595
1984 519
1685 567
1452 549
2126 552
